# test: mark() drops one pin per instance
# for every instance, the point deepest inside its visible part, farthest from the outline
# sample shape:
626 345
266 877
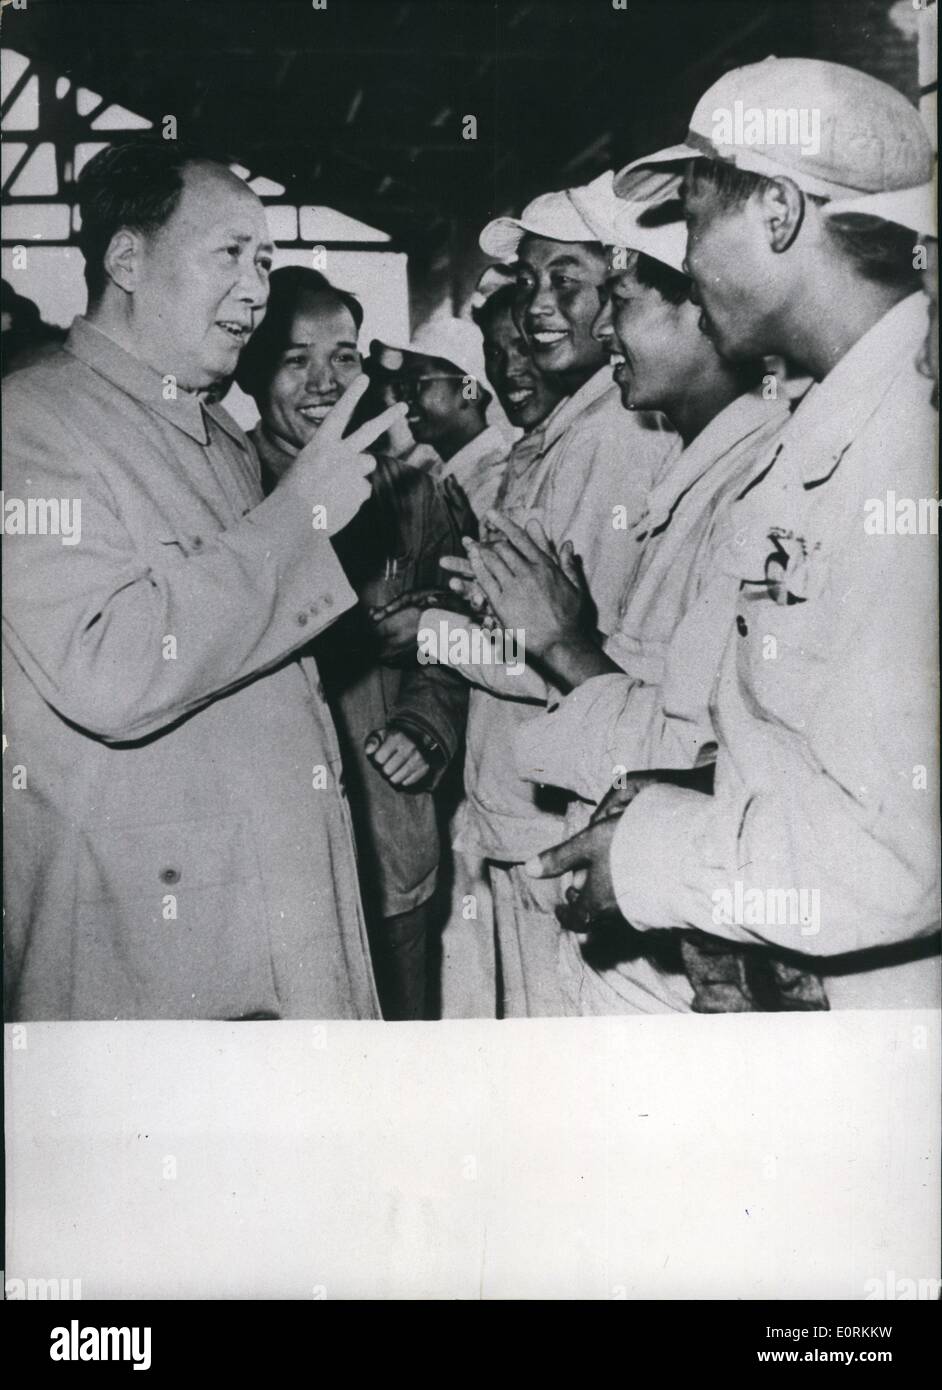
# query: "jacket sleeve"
587 738
123 641
848 811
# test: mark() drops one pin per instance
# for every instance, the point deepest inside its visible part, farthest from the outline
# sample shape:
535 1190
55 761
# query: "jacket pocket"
172 922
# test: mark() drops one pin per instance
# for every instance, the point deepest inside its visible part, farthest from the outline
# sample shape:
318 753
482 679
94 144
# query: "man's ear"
783 209
122 259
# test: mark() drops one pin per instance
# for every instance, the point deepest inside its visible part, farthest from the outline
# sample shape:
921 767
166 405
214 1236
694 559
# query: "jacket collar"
489 441
106 357
559 420
834 411
276 454
745 416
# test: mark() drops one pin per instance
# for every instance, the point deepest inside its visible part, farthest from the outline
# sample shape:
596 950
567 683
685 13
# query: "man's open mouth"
238 332
315 413
549 337
520 395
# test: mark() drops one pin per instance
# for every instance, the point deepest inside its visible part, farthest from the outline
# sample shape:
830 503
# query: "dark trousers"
400 948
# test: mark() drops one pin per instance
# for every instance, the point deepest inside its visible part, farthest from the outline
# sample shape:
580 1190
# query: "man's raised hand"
332 472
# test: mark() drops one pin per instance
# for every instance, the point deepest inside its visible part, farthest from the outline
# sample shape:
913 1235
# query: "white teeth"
548 337
518 397
237 330
314 412
616 359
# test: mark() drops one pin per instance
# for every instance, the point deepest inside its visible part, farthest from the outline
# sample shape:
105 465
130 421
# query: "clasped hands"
587 855
517 579
590 898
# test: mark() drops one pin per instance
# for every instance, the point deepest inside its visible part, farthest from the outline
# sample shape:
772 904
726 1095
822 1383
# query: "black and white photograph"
470 655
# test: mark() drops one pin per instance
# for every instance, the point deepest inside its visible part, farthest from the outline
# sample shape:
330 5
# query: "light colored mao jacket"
657 713
825 708
588 482
177 844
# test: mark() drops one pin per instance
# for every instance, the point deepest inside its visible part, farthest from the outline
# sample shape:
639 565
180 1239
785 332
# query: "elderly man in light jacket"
177 842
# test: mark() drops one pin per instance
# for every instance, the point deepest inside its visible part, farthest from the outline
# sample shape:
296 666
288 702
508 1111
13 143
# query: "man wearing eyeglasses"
451 406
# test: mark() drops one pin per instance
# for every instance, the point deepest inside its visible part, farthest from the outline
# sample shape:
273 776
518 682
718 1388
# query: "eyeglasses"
411 389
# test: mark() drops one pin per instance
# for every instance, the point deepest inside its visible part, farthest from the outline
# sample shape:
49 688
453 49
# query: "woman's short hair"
288 288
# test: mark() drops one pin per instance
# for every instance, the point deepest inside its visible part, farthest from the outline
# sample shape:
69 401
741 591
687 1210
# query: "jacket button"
170 875
302 620
197 542
328 601
741 625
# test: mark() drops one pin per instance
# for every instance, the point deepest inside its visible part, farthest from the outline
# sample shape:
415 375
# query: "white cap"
915 208
455 340
459 342
602 217
492 278
657 230
862 138
564 216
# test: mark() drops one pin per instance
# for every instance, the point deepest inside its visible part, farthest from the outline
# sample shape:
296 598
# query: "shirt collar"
744 416
559 420
489 441
835 409
97 350
277 454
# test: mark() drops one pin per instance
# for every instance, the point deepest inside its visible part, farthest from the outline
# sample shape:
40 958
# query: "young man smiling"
638 700
824 707
585 473
400 723
526 393
528 396
443 381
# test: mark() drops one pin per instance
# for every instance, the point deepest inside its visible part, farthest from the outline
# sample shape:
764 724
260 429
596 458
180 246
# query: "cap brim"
667 243
646 180
388 353
914 208
501 237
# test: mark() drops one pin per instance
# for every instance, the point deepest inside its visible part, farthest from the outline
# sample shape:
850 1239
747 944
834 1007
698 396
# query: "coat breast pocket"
785 654
172 922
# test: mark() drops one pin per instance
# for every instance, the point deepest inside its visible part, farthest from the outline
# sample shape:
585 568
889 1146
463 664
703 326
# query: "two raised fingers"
337 420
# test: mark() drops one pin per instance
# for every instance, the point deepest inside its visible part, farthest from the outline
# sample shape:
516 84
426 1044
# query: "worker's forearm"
570 663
